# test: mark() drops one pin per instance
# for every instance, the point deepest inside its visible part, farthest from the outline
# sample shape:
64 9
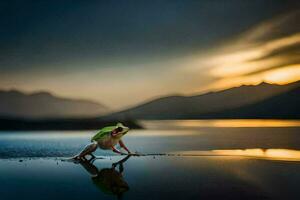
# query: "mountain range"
247 101
285 105
16 104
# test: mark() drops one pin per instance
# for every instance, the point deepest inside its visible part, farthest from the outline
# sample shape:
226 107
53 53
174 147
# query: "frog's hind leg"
88 150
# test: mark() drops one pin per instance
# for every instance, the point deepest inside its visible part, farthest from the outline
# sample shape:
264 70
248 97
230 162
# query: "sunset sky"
121 53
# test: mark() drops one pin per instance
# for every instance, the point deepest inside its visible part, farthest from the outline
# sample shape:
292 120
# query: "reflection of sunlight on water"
274 154
268 154
183 124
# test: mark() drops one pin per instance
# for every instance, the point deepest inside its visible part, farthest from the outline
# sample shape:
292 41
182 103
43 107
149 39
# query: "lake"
209 159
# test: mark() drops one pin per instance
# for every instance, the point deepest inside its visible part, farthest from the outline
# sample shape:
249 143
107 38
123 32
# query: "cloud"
281 76
268 52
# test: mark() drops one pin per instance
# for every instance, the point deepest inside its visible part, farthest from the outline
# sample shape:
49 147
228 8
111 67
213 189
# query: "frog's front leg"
124 147
116 150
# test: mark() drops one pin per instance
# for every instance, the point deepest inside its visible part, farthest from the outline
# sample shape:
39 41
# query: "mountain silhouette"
240 102
285 106
17 104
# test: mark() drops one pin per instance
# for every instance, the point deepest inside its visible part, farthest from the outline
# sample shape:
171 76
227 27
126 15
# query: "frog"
107 138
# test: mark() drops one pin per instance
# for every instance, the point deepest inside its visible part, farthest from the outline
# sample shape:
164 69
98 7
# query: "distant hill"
285 106
45 105
213 104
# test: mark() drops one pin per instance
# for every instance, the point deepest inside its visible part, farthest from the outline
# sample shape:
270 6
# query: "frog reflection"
108 180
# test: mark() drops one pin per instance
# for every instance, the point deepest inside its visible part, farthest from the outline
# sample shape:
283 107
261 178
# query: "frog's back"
103 133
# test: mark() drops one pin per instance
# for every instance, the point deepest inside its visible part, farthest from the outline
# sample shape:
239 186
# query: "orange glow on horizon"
272 154
281 76
252 59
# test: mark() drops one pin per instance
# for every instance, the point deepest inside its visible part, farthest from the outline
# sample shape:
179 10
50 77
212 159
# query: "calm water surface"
207 159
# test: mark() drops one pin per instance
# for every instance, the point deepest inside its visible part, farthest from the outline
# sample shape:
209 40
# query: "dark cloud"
43 33
280 26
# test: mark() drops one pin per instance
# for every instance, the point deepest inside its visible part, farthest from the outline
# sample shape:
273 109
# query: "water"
207 159
161 137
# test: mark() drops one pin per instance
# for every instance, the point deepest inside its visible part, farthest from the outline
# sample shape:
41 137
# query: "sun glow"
259 55
280 76
252 59
283 75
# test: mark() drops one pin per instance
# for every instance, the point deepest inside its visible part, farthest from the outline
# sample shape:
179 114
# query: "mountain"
17 104
285 106
209 105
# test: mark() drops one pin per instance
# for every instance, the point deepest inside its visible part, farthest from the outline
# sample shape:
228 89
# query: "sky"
122 53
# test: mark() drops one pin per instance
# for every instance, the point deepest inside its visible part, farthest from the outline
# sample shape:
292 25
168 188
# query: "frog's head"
119 131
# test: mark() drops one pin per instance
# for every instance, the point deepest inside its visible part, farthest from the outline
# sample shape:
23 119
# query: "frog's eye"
119 129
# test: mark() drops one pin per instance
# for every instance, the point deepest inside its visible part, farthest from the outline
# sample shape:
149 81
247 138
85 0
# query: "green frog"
107 138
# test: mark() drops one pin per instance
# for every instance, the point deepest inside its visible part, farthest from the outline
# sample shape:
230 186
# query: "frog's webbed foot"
76 159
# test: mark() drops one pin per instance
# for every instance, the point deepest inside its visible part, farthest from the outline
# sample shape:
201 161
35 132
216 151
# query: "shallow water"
63 144
210 162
